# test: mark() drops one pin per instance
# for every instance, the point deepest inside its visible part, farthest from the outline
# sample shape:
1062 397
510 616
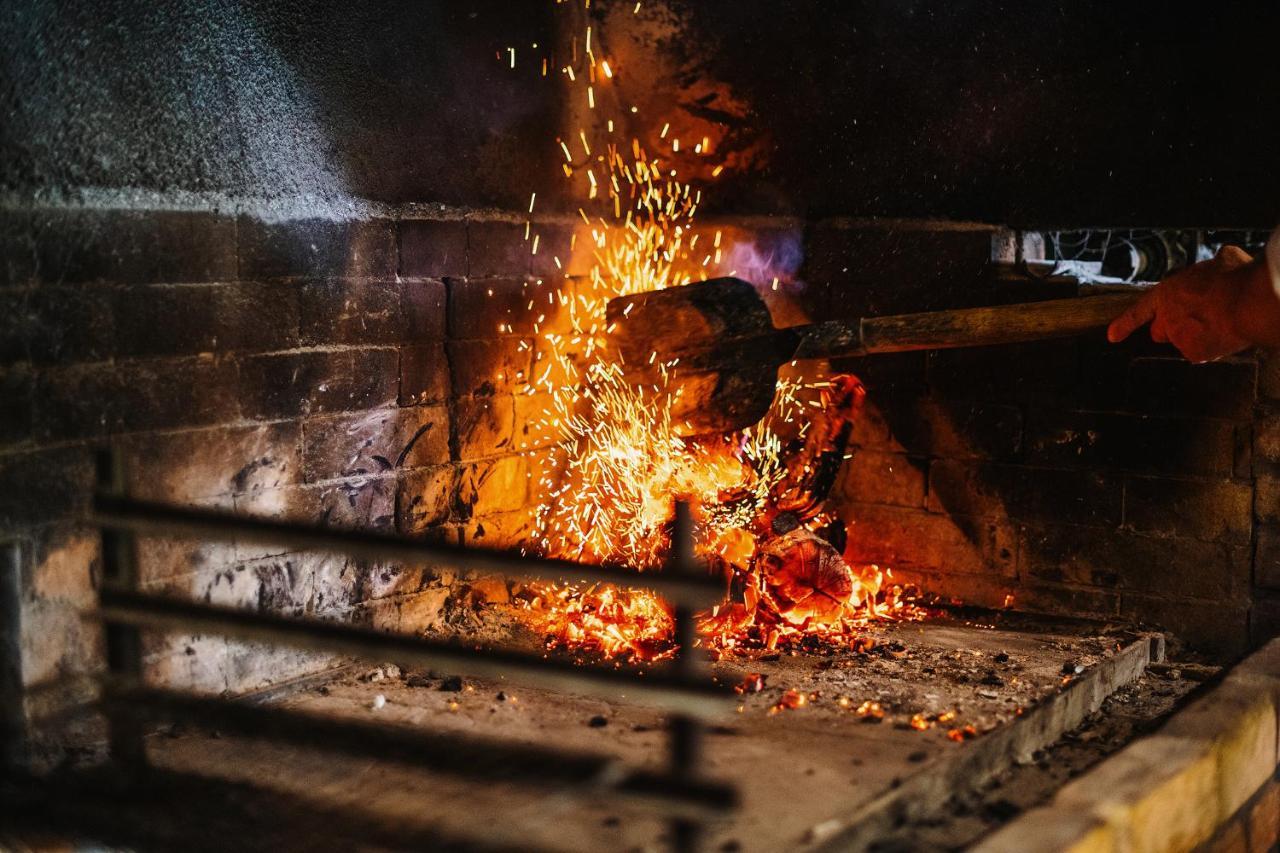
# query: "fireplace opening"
616 425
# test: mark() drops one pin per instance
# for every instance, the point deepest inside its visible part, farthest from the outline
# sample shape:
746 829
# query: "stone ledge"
1175 789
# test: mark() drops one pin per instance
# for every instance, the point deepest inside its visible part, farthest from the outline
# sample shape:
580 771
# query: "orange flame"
618 457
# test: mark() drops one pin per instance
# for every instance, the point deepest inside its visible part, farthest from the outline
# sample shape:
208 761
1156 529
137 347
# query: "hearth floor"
800 771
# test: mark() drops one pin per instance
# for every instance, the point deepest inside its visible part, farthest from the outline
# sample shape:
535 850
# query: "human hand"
1202 310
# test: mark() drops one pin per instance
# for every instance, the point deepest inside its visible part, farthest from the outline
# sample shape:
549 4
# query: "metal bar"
14 752
115 511
685 734
660 687
123 641
450 753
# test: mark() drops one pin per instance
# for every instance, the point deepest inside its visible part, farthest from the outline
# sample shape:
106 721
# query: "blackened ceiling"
1031 112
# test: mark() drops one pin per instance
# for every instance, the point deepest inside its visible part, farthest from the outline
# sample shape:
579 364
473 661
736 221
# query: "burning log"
806 578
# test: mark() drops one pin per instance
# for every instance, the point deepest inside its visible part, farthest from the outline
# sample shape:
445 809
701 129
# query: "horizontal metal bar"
656 687
451 753
162 519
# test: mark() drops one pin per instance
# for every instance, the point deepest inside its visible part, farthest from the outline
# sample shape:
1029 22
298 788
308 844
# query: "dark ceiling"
1031 112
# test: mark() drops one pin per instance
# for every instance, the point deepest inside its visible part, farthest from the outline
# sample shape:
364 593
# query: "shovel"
717 344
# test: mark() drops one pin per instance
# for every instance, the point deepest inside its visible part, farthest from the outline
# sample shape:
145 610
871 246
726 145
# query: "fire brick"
493 308
912 539
124 246
483 426
1267 556
531 431
283 385
1221 389
62 583
352 311
423 498
557 242
382 580
496 485
488 368
1266 436
424 305
316 248
1046 371
17 248
1066 600
1116 558
1268 375
374 443
1264 617
889 376
356 504
107 398
1216 626
1075 497
498 249
44 486
160 559
432 248
502 531
51 324
196 465
953 429
16 406
1130 442
190 319
424 375
883 478
1196 509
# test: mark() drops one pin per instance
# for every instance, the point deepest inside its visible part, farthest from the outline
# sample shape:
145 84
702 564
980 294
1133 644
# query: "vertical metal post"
14 734
686 731
124 642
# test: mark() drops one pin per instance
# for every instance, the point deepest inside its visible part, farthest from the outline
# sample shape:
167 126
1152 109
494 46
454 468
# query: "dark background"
1033 113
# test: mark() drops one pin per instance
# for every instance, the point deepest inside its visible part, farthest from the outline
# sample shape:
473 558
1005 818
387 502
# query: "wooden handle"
964 327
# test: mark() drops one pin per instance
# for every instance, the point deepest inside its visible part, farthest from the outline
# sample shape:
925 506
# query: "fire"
619 457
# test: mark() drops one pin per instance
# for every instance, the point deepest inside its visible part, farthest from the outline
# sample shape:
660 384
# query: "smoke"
772 255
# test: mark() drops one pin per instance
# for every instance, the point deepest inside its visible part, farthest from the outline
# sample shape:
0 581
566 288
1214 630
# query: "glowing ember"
790 701
619 459
870 711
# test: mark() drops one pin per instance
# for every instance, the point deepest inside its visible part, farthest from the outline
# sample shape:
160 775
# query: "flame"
618 458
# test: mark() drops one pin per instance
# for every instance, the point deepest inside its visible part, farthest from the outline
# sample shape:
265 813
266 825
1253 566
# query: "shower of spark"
619 457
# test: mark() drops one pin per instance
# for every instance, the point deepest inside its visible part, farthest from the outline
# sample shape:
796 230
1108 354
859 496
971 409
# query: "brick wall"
1066 476
354 373
347 373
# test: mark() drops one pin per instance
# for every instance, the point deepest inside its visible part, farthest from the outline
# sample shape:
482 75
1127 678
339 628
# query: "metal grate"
682 687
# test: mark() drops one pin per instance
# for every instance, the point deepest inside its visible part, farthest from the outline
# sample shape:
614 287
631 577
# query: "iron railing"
681 687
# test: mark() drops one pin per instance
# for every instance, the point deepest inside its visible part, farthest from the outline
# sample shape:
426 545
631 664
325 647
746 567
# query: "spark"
616 450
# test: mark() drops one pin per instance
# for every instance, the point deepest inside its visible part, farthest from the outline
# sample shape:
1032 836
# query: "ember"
790 701
620 455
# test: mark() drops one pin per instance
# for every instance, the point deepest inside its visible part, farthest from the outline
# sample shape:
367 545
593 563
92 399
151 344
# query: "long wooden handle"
964 327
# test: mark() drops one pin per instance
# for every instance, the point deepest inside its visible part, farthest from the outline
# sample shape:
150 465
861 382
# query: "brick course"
354 373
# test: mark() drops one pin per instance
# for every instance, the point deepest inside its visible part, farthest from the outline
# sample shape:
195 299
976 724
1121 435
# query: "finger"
1139 314
1233 256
